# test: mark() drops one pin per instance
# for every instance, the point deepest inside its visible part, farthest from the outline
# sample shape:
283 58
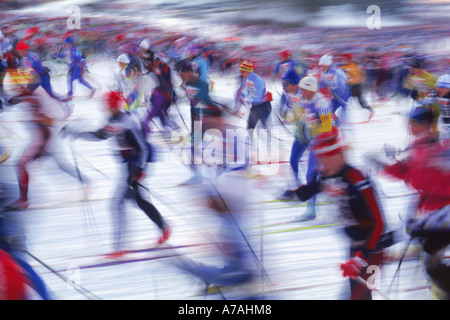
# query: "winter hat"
326 60
114 99
309 83
69 40
123 58
422 115
290 77
145 44
443 81
284 54
328 143
246 66
22 46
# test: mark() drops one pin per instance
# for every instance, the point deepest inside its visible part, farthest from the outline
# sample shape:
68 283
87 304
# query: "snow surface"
67 233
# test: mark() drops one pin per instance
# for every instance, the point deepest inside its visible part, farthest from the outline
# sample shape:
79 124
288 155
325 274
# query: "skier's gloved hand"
352 268
135 180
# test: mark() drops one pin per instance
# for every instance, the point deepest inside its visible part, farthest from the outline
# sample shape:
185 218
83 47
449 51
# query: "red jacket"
427 169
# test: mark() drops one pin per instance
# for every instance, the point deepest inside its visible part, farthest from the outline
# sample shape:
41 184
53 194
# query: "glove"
135 181
268 96
352 268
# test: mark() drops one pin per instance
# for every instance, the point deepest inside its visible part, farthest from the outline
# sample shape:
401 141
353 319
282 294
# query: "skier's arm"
325 117
308 190
100 134
366 194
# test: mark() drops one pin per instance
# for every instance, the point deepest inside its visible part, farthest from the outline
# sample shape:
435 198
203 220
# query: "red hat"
22 46
114 100
285 54
328 143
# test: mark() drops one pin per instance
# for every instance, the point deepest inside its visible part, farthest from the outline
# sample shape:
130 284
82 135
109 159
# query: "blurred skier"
355 79
41 73
305 107
228 198
335 80
426 169
163 95
135 153
130 84
45 113
286 64
202 106
77 67
359 210
252 92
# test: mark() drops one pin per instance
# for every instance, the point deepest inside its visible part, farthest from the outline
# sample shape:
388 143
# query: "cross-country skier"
335 80
286 64
228 198
40 72
45 113
426 169
129 82
202 105
135 153
77 67
163 95
358 208
355 79
252 92
309 110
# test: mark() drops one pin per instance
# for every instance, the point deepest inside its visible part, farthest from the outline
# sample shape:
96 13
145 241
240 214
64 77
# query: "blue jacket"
76 59
32 61
202 66
336 80
283 67
252 90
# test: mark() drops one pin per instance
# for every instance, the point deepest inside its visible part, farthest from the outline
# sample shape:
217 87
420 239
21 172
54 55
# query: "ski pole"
179 113
89 214
258 262
400 262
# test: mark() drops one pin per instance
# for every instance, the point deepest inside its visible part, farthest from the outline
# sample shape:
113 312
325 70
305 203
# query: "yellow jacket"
354 73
